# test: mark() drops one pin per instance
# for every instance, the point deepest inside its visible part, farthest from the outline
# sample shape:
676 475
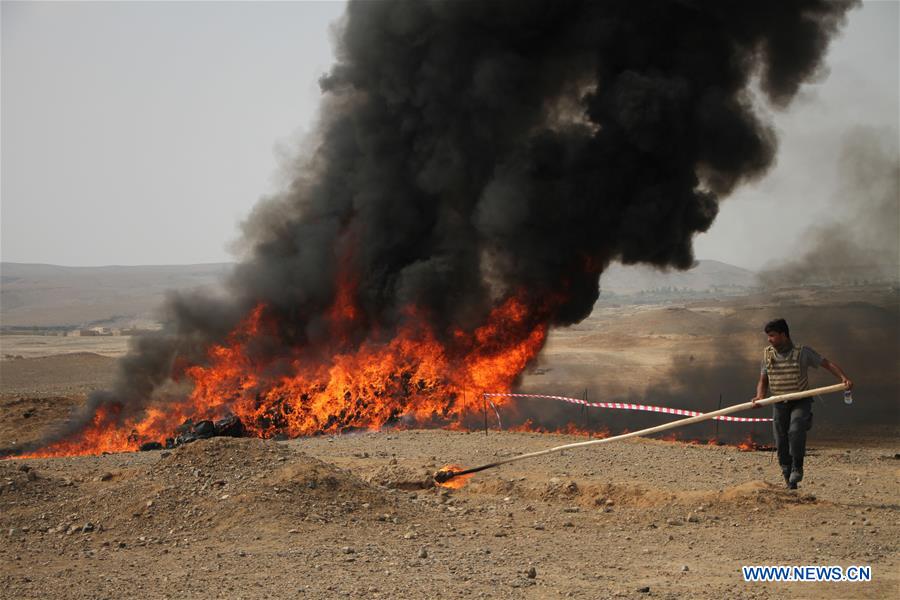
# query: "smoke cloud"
471 151
858 242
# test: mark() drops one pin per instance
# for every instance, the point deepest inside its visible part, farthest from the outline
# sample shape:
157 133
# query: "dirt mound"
211 487
225 481
402 478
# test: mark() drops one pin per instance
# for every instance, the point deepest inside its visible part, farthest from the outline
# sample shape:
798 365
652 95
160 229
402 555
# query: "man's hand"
837 372
754 402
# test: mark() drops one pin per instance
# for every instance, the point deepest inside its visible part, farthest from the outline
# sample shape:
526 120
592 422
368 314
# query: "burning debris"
189 431
476 168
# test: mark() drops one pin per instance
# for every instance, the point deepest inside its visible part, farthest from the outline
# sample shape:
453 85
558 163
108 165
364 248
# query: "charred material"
190 431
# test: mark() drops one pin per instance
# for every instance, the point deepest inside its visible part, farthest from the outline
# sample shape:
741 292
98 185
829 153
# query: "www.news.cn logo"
807 573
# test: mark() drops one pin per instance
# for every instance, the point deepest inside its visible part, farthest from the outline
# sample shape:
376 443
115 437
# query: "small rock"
571 509
87 527
423 553
348 550
671 521
685 568
644 590
106 476
693 518
149 503
531 573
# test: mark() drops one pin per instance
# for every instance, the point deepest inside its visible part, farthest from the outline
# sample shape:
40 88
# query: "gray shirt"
808 358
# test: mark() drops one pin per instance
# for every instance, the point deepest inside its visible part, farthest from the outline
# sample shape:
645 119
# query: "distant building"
92 332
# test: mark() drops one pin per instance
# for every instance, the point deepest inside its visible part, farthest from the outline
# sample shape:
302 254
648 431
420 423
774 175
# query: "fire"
456 482
417 377
748 444
529 426
751 445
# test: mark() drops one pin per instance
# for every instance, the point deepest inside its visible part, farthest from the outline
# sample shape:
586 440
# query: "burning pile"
410 377
476 167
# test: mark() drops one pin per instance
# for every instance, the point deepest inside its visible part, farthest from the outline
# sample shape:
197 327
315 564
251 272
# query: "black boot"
795 478
786 473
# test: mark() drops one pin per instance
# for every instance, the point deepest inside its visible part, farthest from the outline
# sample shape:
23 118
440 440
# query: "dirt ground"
358 516
35 346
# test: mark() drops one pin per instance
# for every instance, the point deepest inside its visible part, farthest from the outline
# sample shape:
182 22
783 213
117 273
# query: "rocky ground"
357 516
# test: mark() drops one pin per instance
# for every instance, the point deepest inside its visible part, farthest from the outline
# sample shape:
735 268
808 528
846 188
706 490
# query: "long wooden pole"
445 475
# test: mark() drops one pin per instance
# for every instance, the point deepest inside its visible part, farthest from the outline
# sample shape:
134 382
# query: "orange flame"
413 378
456 482
529 426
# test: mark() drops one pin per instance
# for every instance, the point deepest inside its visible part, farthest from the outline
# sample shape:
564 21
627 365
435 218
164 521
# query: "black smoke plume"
471 150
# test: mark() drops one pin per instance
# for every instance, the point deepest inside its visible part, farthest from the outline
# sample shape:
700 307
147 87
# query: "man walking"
784 370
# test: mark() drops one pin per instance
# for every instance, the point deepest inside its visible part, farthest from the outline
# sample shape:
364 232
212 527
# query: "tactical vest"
785 375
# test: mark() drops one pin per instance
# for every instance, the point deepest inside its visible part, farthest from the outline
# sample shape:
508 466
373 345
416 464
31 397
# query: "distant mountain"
706 275
114 296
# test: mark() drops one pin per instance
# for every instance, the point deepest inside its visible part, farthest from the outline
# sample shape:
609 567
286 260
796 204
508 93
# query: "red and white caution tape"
627 406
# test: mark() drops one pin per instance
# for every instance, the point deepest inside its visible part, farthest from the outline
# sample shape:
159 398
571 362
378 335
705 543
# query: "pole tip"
444 475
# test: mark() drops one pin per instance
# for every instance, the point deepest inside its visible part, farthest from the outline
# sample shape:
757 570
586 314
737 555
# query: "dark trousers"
791 421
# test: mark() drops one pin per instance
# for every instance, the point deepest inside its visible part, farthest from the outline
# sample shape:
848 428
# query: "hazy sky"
143 133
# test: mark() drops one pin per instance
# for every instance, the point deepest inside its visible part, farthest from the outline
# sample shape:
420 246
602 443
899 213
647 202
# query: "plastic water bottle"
848 397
